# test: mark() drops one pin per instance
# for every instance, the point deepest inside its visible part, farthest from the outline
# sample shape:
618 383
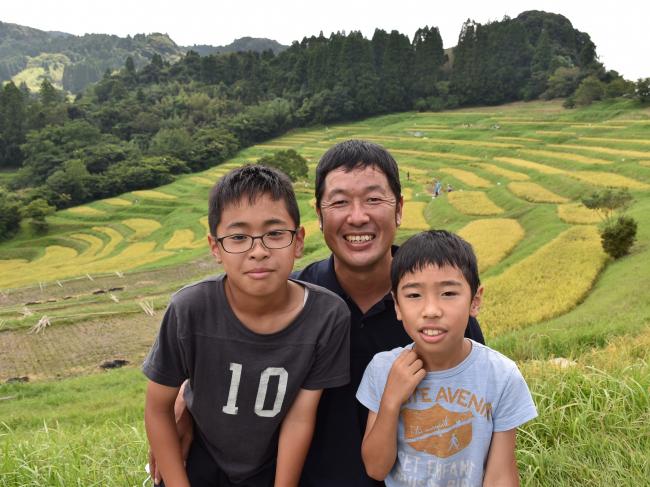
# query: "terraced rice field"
518 173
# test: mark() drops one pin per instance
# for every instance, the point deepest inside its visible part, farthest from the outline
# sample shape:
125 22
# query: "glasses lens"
277 239
237 243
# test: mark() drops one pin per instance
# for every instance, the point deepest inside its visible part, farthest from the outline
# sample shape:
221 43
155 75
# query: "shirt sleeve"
164 364
368 393
515 406
331 367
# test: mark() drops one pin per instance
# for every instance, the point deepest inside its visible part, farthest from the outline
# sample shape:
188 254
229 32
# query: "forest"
138 128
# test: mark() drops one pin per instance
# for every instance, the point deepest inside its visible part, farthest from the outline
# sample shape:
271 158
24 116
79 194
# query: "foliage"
618 237
38 210
588 91
642 90
608 202
289 162
9 214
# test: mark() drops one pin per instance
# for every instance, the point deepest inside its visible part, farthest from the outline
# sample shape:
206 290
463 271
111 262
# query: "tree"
588 91
38 210
618 231
12 125
9 214
643 90
289 162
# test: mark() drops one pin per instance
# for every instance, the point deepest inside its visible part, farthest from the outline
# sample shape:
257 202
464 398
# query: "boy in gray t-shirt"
256 347
444 410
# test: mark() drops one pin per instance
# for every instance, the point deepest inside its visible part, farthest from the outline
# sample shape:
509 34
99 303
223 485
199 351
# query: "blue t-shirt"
445 428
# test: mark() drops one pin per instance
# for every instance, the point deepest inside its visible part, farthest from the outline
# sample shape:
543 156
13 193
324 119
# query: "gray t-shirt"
445 428
241 383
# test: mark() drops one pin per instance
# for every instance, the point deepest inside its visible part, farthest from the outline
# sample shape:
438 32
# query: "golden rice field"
154 195
604 150
615 140
413 215
577 213
607 179
467 177
565 156
499 171
535 193
492 239
142 227
117 202
536 166
183 239
473 203
86 211
548 283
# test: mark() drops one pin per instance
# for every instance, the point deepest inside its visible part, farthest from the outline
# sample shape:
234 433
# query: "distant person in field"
437 188
255 347
359 206
444 409
449 188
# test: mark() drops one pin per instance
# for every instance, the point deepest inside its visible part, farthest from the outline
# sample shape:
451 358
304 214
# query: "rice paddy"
550 291
467 177
492 239
473 203
535 193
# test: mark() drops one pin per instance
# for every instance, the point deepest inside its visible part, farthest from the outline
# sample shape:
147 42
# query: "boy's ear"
476 302
215 250
397 311
300 242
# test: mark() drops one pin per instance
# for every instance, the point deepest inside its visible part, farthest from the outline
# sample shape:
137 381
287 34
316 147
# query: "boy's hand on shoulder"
405 375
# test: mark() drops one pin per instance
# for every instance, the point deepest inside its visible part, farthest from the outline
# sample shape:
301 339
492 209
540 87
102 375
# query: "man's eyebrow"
367 189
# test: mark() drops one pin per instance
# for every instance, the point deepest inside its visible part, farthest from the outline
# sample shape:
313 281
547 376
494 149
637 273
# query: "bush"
618 237
289 162
9 215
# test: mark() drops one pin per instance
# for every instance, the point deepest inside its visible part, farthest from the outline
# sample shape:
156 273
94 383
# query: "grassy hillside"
577 322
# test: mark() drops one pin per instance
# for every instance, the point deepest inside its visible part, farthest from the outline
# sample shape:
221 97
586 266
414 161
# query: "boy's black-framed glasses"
238 243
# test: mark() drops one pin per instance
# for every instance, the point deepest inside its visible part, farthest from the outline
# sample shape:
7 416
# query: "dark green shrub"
618 237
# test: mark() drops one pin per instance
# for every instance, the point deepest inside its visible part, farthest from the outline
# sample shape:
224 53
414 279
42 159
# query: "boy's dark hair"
439 248
352 154
250 181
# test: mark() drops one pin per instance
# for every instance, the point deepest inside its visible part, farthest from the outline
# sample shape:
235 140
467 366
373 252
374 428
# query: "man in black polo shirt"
359 204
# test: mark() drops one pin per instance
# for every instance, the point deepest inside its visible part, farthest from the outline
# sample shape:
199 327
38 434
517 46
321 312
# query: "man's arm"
379 447
295 437
501 469
161 432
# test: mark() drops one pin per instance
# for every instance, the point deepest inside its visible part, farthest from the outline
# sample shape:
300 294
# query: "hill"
243 44
73 62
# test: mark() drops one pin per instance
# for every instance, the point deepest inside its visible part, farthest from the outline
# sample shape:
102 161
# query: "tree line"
139 128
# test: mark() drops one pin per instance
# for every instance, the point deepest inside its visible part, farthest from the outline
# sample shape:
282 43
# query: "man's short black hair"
438 248
352 154
251 181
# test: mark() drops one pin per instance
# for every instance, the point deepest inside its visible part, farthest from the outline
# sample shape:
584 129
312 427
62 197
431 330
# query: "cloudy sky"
618 28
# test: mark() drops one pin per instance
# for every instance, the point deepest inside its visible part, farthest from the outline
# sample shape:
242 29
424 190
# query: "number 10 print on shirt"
262 389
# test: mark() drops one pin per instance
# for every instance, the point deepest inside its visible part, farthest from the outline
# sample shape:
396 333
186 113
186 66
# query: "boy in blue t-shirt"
444 410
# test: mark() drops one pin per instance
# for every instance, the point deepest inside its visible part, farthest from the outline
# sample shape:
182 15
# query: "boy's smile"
434 304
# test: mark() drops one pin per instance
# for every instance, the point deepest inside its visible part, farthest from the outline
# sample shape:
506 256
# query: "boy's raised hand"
405 375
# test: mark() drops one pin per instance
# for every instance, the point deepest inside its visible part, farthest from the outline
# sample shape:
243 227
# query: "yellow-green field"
577 322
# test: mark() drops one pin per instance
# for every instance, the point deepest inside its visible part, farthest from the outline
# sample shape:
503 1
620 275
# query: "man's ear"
320 218
398 210
300 242
476 302
215 250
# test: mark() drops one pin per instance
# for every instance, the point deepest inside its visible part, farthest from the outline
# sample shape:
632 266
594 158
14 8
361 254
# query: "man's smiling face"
360 215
